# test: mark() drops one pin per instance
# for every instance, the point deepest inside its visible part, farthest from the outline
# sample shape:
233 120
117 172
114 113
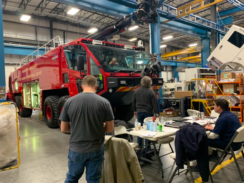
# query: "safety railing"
52 44
206 92
171 12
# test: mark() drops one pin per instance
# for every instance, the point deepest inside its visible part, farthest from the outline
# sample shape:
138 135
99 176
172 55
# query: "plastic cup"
139 126
160 128
136 126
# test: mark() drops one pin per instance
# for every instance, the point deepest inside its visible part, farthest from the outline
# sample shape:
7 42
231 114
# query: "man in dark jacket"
145 103
224 129
193 140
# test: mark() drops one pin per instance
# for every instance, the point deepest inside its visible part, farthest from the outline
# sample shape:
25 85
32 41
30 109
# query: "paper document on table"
201 121
190 117
149 134
189 121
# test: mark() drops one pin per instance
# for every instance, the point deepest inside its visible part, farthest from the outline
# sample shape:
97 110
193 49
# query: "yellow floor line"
219 167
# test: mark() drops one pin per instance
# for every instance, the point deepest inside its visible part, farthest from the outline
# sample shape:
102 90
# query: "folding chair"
120 130
237 138
187 163
166 140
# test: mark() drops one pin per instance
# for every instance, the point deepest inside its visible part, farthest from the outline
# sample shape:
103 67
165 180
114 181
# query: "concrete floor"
44 159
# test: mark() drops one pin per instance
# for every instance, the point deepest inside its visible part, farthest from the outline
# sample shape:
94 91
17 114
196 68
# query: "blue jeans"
92 161
140 118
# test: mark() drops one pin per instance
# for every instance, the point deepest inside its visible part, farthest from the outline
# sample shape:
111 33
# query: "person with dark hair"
87 117
145 103
225 127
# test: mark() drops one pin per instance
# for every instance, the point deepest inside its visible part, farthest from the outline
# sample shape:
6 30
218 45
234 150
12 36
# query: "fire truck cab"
47 81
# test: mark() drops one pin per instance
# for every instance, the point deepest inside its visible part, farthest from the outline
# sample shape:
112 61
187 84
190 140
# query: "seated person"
113 62
225 127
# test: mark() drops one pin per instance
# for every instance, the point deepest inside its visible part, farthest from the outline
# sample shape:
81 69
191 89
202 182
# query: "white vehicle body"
230 51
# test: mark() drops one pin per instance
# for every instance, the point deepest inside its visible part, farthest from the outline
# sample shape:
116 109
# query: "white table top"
167 131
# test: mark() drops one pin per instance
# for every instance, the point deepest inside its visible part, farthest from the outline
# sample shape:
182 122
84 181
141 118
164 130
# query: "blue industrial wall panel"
229 11
205 51
176 73
226 21
21 50
2 67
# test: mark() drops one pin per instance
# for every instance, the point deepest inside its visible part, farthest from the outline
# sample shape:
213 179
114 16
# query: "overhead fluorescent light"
133 27
194 44
92 30
73 11
163 46
25 18
139 62
133 39
167 37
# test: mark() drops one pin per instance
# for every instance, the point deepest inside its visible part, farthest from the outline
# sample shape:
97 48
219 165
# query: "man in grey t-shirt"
87 117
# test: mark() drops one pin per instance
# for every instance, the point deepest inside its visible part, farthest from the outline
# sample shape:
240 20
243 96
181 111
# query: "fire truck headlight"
110 90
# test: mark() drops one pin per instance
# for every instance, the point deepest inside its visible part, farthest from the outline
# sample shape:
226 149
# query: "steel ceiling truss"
59 9
4 3
42 5
23 4
237 3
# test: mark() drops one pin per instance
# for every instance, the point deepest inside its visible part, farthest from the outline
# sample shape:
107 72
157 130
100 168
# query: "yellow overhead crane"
196 58
180 52
194 6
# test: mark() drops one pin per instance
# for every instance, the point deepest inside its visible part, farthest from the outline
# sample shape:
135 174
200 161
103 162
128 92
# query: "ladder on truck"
206 94
50 45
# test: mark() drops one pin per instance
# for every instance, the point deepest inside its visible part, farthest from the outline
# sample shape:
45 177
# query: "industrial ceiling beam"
23 5
118 10
42 5
229 11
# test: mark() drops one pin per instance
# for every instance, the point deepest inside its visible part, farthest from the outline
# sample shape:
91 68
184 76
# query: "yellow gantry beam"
181 52
195 60
194 6
190 58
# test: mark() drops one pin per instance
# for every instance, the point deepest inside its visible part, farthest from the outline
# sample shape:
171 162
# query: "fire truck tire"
51 113
61 103
23 112
124 113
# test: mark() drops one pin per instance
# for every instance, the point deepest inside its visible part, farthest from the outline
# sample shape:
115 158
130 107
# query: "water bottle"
161 126
151 126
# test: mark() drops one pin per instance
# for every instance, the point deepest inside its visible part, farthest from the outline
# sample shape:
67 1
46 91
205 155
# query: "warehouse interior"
191 50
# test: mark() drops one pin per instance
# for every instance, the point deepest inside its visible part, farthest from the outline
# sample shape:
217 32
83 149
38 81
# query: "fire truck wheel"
124 113
51 111
23 112
61 103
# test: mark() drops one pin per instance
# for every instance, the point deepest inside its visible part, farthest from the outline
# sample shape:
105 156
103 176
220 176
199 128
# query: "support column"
214 36
155 39
176 73
205 51
155 42
36 33
51 32
2 63
64 36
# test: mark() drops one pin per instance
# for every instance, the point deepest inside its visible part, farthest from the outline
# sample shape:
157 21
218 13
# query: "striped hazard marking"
124 89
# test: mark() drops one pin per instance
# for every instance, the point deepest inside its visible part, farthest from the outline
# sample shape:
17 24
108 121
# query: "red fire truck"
46 82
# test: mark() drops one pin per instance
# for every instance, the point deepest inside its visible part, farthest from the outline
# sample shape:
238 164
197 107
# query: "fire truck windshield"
117 59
